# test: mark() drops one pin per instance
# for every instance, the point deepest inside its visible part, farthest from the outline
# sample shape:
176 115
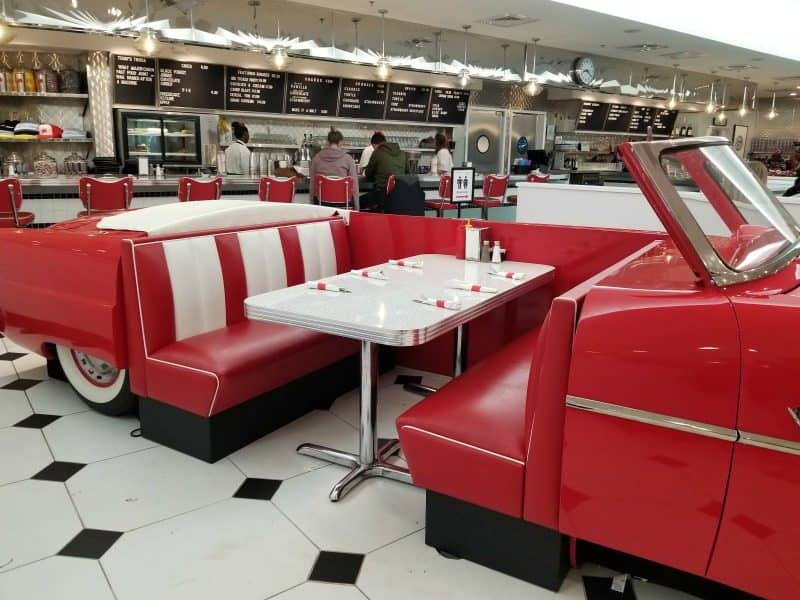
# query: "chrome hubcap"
95 370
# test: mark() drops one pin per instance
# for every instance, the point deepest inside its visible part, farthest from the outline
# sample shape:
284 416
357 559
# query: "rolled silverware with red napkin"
372 274
507 275
471 287
454 304
404 262
326 287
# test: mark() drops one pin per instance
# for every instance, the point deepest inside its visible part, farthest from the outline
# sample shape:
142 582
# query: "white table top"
384 311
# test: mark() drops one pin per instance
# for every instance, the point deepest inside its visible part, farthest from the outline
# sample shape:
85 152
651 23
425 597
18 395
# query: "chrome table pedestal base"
459 365
370 460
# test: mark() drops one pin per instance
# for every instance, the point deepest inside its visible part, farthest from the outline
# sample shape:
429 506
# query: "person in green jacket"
386 160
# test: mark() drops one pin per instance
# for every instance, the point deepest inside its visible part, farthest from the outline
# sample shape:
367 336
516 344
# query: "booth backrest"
547 395
196 284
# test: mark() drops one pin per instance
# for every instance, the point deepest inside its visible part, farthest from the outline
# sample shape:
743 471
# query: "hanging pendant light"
355 21
721 116
383 68
710 107
772 114
148 40
506 74
279 52
464 75
532 88
673 101
437 67
743 107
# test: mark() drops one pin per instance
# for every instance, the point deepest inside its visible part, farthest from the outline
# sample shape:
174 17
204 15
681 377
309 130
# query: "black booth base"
512 546
213 438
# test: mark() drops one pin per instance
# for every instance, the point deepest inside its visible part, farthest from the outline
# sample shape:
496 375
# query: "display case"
164 138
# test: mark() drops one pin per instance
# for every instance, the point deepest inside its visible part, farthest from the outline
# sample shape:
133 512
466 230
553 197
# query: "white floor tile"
11 346
59 577
31 366
375 513
24 453
316 590
7 370
89 436
132 490
53 397
13 407
37 520
393 401
410 569
274 456
242 549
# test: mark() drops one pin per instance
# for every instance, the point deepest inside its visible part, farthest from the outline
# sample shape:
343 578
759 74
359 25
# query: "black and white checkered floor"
90 512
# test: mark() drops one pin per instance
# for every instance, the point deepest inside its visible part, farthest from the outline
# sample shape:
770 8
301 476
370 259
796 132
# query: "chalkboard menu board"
258 91
641 118
134 80
190 85
619 117
362 99
664 121
408 102
592 116
448 106
312 95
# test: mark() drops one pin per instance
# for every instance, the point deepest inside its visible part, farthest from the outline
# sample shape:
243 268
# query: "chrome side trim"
770 443
651 418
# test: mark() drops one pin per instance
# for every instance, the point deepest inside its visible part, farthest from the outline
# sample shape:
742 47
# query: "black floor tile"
404 379
90 543
37 421
11 355
58 471
258 489
599 588
337 567
21 384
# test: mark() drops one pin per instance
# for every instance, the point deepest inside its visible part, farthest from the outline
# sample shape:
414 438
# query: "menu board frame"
388 114
117 87
280 90
345 81
211 67
336 81
440 120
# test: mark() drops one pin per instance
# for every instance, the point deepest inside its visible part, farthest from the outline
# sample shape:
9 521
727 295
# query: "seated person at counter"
366 153
333 161
795 189
387 160
442 162
237 155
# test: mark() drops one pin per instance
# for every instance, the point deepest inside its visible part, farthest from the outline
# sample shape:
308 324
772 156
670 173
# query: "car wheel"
101 385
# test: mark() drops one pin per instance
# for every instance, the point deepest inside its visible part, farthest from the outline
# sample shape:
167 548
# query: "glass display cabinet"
168 139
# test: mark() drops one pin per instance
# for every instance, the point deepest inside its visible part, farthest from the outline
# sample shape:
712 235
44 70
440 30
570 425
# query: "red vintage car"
640 403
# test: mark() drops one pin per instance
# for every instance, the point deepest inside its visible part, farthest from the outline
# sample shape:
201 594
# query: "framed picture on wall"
739 139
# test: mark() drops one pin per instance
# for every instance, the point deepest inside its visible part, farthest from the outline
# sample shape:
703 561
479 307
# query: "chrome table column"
370 460
459 364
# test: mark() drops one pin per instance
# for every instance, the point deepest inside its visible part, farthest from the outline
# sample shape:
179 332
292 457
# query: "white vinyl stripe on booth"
198 291
319 252
264 264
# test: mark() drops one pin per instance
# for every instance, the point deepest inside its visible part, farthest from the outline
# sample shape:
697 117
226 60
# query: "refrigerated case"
163 138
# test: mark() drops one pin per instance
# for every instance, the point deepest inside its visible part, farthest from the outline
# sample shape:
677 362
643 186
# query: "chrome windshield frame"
649 156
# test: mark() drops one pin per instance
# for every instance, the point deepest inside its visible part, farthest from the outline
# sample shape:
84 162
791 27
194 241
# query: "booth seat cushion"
439 204
238 362
468 440
488 202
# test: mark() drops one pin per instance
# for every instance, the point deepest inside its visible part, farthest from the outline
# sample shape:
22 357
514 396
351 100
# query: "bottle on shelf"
682 132
6 76
689 131
19 74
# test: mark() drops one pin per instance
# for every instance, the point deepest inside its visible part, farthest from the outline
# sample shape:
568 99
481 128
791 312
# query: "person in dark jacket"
387 160
795 189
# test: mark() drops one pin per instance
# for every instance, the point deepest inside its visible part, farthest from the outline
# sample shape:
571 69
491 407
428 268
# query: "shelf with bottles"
11 140
49 95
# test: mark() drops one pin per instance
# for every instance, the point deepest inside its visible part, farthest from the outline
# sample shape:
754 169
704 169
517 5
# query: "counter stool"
10 204
531 178
442 203
277 189
334 191
191 189
494 191
105 195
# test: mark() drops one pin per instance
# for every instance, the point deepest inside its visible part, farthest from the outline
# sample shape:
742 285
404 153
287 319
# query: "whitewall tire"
101 385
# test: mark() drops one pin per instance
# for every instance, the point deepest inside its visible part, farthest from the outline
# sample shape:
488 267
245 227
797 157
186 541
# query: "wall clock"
583 70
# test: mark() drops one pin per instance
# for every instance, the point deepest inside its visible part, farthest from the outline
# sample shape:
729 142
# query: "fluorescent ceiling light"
706 20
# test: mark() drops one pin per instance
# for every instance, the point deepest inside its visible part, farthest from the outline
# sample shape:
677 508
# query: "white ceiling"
561 26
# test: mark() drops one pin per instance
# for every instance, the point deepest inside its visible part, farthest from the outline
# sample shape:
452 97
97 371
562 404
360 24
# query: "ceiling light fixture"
710 107
506 74
532 88
721 115
280 53
437 67
383 68
743 107
673 101
355 21
464 76
772 114
148 39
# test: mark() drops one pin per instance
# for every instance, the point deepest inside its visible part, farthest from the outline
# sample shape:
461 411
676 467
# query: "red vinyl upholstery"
442 203
494 190
473 439
335 191
277 189
105 195
197 349
11 203
191 189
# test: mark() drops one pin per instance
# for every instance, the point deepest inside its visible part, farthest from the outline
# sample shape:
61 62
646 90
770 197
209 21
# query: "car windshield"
743 221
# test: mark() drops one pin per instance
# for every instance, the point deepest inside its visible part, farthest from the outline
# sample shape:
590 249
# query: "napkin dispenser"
473 241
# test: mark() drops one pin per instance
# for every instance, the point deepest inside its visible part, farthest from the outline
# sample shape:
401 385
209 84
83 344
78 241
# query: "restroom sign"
462 184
